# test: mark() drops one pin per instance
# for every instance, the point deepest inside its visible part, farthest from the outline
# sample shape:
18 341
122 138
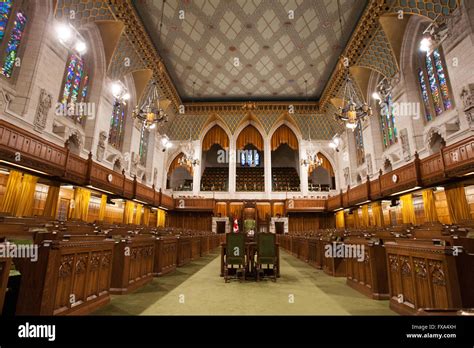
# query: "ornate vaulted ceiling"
275 53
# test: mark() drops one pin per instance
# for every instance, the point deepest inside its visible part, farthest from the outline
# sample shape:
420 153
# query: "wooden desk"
250 251
423 275
5 264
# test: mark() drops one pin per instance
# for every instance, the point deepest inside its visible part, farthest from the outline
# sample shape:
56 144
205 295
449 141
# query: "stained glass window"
433 86
5 9
433 80
75 86
443 84
13 44
249 158
359 144
117 125
424 94
387 120
144 137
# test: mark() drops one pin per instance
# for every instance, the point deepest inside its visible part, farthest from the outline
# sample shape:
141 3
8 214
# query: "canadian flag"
236 226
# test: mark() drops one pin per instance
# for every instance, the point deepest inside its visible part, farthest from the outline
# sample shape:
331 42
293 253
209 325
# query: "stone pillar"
267 154
232 165
303 170
197 168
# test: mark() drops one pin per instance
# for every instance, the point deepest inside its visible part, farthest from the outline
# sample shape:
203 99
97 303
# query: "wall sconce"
70 38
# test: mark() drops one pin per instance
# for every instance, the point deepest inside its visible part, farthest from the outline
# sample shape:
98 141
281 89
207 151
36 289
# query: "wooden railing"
29 150
308 205
202 204
452 161
359 193
166 201
24 148
334 202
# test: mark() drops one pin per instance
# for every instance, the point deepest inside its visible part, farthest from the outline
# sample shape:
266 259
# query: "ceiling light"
351 125
64 32
406 191
376 96
425 44
165 140
116 89
335 142
81 47
126 96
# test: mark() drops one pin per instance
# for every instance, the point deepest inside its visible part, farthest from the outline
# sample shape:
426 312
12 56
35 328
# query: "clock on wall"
395 178
110 177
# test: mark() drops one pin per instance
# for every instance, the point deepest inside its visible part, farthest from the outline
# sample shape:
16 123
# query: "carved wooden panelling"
398 179
334 202
431 168
459 156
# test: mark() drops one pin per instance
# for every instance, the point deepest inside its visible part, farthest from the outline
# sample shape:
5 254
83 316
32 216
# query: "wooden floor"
197 289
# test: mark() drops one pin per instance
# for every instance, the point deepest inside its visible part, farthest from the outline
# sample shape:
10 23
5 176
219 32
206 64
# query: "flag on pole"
236 226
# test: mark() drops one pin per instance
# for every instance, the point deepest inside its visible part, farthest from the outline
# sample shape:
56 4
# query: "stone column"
232 165
267 154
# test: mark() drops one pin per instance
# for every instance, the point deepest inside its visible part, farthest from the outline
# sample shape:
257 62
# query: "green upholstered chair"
235 254
266 253
249 225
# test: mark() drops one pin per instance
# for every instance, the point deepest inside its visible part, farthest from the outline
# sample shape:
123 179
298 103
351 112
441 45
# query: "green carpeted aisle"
205 293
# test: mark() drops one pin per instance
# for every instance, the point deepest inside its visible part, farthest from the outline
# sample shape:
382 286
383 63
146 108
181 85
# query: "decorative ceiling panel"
184 127
250 49
317 127
379 55
429 9
83 12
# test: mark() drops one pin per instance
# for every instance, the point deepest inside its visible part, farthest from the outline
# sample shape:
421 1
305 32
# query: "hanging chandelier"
312 161
188 153
435 34
350 109
312 158
152 112
188 159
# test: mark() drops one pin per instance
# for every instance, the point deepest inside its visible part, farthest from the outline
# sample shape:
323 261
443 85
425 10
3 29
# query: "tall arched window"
5 10
12 27
434 84
117 125
359 142
75 88
387 122
143 149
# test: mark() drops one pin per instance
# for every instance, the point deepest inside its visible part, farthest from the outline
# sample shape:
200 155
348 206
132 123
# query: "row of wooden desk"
416 268
76 273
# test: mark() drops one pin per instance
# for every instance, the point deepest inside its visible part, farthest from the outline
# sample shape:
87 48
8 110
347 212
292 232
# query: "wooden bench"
70 277
184 250
166 255
424 275
370 275
4 273
133 263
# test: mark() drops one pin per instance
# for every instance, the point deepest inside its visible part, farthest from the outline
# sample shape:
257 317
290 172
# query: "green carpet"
197 289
